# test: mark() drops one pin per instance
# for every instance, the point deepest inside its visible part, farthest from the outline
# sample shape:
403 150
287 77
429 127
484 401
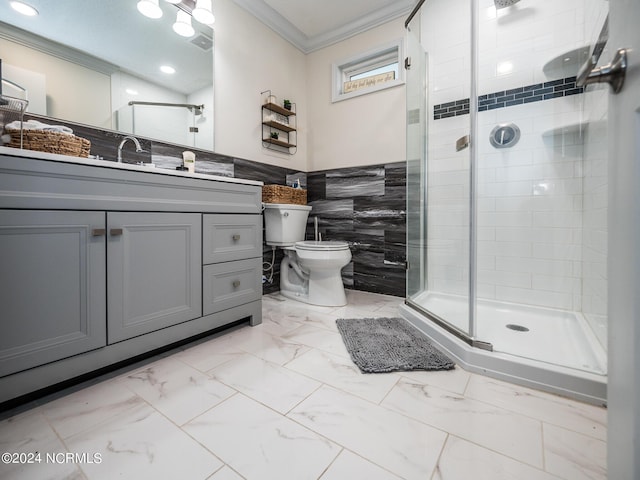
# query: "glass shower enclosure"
506 189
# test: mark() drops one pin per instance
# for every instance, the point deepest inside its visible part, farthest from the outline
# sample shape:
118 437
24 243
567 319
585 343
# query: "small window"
368 72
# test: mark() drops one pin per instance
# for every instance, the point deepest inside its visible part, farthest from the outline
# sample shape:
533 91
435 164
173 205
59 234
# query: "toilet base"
304 298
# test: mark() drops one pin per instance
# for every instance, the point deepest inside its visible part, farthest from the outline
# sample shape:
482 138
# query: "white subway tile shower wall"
531 246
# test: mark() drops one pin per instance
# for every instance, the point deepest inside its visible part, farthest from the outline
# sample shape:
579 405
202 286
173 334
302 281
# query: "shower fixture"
504 3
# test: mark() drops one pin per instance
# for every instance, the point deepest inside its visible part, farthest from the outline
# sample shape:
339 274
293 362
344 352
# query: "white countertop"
53 157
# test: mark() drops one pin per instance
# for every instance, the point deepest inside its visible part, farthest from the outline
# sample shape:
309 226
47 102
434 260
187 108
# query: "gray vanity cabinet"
153 270
52 288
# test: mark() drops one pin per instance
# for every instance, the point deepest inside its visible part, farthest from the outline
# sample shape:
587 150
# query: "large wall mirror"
98 63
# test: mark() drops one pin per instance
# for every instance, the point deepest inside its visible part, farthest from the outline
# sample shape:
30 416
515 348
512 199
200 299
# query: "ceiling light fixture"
150 8
24 9
183 25
167 69
175 2
204 12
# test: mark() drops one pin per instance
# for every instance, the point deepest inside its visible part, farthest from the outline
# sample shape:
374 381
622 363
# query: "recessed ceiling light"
131 91
167 69
150 8
24 9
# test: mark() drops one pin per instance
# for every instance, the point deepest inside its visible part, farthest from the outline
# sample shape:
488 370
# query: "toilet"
310 270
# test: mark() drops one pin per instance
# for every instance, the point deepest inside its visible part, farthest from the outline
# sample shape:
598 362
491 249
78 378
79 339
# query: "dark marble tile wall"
364 206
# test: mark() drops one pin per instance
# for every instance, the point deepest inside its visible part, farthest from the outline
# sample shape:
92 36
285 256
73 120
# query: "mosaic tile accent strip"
507 98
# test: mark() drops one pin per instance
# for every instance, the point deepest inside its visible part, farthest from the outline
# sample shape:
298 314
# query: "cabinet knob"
236 283
98 232
235 237
115 232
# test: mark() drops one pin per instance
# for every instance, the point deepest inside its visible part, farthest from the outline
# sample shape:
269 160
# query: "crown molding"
271 18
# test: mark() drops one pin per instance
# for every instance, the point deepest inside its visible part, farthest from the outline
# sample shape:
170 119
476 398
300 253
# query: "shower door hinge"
407 63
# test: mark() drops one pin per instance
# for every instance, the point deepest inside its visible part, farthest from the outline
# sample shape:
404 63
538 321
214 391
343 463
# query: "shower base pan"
546 349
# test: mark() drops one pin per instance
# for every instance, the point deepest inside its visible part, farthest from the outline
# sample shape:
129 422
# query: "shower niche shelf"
278 126
566 64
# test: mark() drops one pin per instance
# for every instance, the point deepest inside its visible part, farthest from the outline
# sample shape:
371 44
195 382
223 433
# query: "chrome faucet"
124 140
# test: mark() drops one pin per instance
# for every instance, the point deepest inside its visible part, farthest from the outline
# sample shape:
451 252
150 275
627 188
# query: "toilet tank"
285 224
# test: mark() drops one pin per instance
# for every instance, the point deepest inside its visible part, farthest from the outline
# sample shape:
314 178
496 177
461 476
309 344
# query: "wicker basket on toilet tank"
282 194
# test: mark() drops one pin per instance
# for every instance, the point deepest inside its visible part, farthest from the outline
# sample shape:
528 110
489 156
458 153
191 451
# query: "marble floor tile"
454 380
464 460
271 348
492 427
349 466
579 417
574 456
343 374
175 389
210 354
283 400
84 409
322 339
30 434
225 473
268 383
399 444
325 321
260 444
142 443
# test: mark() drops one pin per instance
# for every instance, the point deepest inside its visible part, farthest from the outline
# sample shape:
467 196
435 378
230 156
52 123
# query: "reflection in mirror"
97 63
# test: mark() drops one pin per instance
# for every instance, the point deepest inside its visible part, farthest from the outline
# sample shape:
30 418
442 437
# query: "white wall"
250 58
364 130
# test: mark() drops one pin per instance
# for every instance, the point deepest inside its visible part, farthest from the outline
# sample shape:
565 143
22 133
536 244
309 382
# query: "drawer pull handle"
236 283
236 237
115 232
98 232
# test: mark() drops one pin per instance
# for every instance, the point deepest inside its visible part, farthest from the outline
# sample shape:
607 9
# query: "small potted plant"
275 135
287 104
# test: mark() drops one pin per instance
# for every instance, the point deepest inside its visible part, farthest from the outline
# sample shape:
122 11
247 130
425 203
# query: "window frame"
378 57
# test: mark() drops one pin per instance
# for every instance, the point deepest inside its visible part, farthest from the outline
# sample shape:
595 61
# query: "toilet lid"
325 245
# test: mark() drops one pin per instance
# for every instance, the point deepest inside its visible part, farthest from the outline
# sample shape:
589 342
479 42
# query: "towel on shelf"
36 125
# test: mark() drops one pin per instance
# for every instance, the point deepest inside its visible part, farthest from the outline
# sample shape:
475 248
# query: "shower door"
439 176
507 233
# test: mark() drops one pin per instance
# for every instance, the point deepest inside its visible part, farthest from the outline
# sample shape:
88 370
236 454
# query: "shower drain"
517 328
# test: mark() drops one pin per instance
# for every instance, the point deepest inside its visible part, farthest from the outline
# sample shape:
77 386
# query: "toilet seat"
323 246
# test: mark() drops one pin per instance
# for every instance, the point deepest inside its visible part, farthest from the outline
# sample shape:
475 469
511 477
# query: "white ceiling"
314 24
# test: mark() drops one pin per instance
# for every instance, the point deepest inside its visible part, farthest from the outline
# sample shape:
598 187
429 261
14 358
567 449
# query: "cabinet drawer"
229 284
231 237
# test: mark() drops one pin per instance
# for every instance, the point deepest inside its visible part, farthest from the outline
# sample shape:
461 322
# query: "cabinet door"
231 237
154 271
52 274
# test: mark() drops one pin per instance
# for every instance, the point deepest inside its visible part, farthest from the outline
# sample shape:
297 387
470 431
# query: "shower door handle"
462 143
613 73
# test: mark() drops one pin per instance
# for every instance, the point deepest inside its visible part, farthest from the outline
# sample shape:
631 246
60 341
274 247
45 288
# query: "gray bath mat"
379 345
